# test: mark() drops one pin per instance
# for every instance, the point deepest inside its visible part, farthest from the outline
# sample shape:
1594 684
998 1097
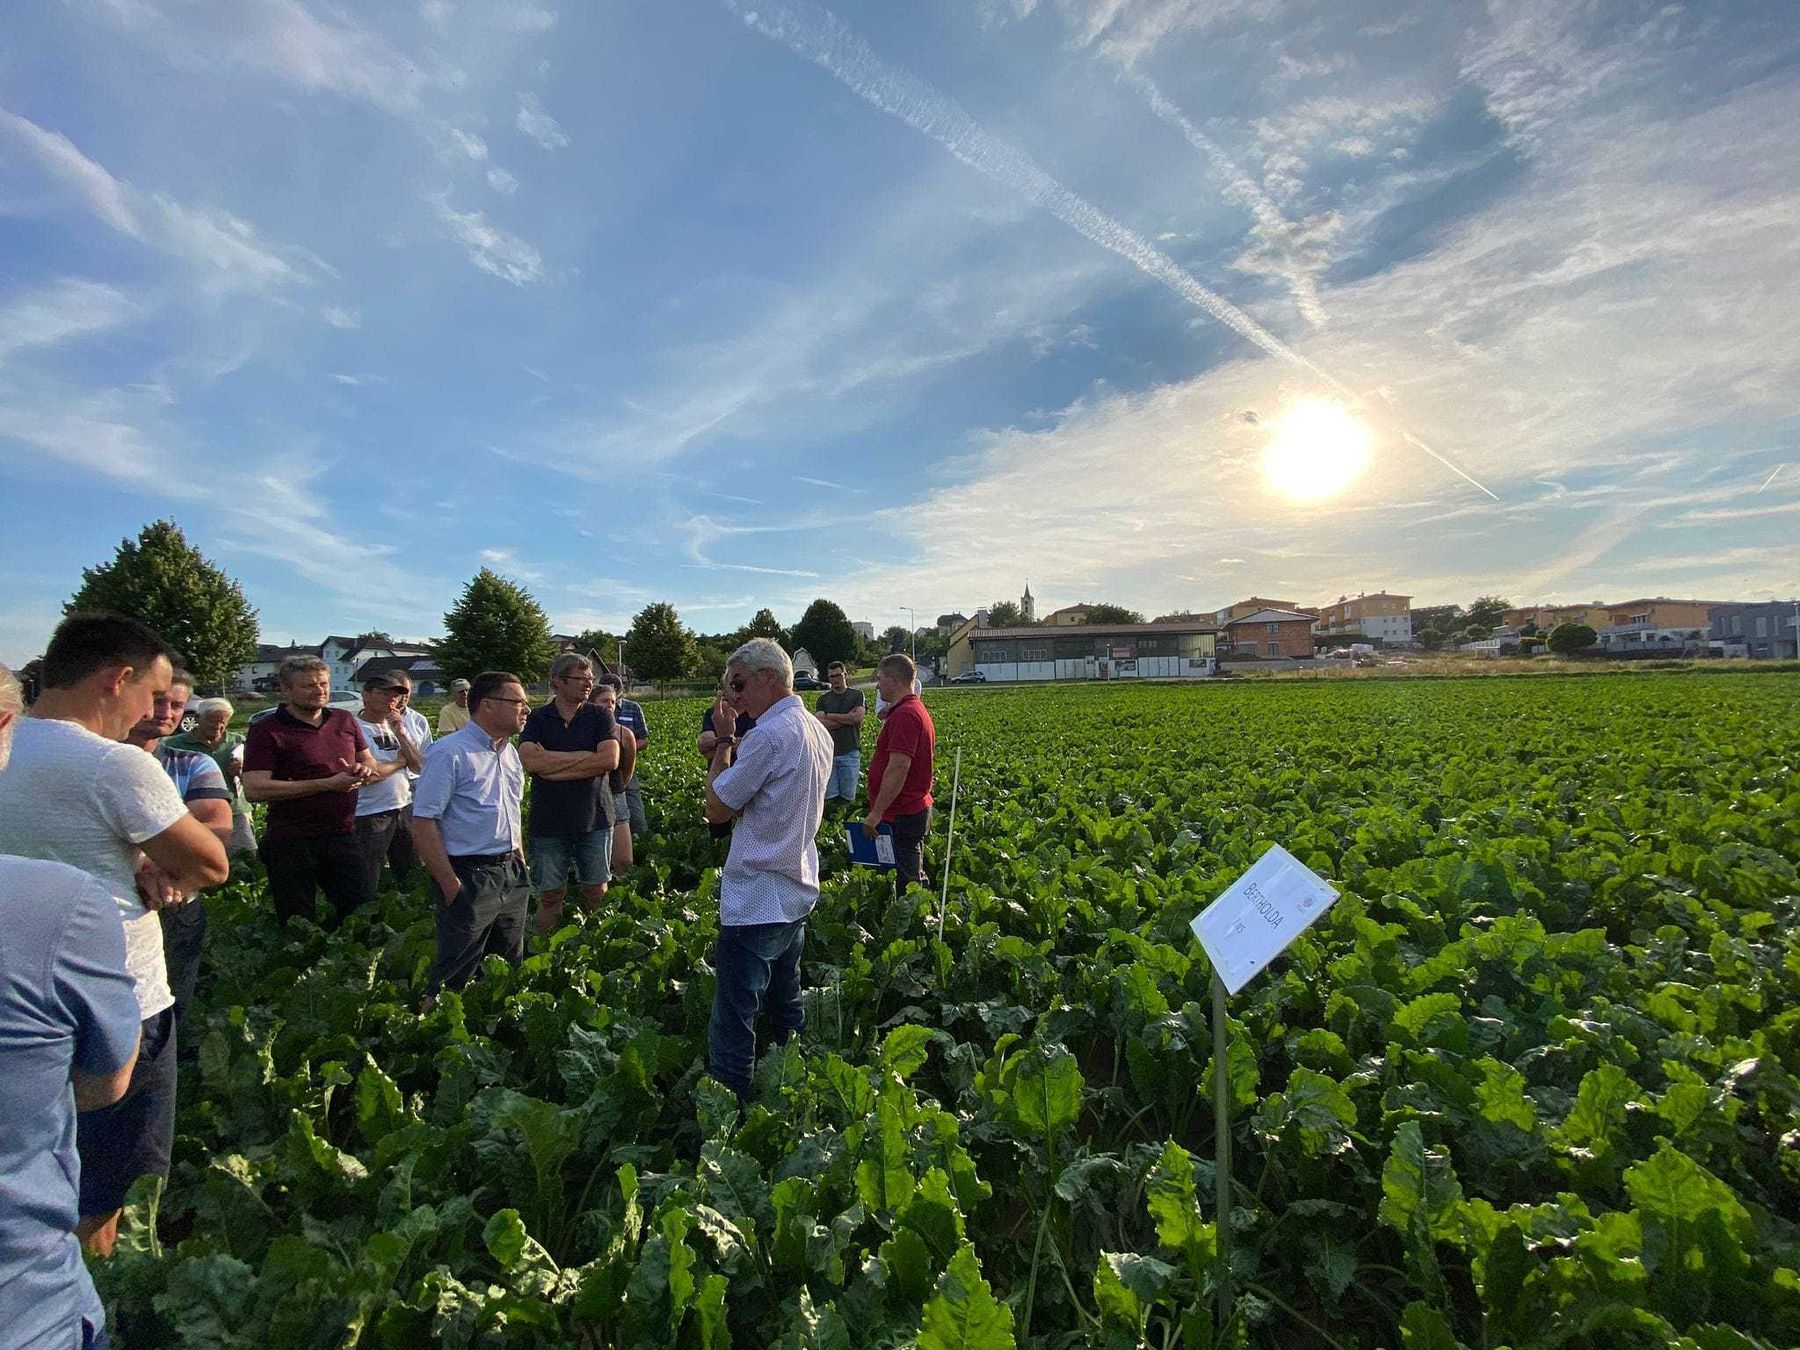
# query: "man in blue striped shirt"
773 786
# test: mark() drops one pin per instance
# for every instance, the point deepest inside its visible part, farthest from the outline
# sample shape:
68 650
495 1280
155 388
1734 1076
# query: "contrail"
828 42
1239 187
1771 478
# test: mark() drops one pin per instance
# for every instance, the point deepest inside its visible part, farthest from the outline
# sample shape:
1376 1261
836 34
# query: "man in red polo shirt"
308 760
900 774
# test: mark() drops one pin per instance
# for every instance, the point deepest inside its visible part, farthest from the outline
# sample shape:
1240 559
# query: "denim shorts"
588 856
845 770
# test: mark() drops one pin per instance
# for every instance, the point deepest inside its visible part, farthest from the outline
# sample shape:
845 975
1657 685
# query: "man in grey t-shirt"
76 794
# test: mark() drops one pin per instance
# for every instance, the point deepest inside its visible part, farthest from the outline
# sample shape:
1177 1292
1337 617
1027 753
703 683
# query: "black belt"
481 859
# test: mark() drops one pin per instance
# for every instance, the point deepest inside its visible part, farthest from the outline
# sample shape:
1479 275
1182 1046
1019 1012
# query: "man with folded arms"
75 793
773 784
382 802
569 746
202 787
68 1042
466 827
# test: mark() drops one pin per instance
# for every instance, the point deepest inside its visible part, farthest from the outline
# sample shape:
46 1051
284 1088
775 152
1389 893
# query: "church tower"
1028 606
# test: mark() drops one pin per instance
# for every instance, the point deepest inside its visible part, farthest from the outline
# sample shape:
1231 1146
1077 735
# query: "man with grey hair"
68 1042
308 760
774 788
212 736
569 746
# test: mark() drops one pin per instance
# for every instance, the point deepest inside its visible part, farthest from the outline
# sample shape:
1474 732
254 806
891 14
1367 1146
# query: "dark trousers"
375 840
332 863
184 938
402 857
755 963
487 915
134 1136
909 845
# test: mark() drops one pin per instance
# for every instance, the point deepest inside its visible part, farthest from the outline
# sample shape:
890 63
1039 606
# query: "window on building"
1274 647
1762 626
1271 628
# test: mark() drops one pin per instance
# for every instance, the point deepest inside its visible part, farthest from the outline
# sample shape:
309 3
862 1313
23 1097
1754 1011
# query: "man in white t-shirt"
384 804
75 793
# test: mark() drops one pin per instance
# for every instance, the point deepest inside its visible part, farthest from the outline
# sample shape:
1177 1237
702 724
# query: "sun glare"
1319 448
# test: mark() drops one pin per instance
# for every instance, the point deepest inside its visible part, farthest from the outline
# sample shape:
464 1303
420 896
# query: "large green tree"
601 643
1113 614
897 639
825 631
764 624
1006 614
1568 638
496 625
659 646
1487 610
167 583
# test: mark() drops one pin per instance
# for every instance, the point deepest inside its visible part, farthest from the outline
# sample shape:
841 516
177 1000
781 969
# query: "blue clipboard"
877 852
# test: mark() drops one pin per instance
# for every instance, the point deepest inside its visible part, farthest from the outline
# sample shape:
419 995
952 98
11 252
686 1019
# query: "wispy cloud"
490 248
358 381
225 250
538 124
826 483
342 316
69 309
502 182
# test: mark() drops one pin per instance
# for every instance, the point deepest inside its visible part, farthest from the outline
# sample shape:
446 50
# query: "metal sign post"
1245 929
949 845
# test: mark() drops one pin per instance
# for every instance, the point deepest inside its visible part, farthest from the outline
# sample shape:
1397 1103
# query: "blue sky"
734 304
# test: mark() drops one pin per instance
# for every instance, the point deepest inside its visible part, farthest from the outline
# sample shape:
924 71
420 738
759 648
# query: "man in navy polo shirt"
709 739
307 760
568 747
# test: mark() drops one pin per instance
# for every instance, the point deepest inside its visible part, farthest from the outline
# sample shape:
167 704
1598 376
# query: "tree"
1568 638
1113 614
1005 614
598 641
1487 610
825 631
164 581
659 646
897 639
375 638
496 625
764 625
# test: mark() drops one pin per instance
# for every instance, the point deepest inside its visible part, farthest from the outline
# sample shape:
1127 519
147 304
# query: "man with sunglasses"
569 746
772 784
383 804
467 829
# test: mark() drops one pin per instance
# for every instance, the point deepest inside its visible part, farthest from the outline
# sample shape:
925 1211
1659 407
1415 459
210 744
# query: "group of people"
112 823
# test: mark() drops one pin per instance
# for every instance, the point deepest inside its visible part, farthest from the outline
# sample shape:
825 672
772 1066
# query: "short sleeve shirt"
452 717
296 752
66 1001
907 731
632 715
230 746
394 791
73 797
745 723
582 805
844 740
777 783
195 776
472 788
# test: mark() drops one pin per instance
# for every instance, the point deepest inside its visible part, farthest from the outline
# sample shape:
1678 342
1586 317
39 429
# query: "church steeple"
1028 606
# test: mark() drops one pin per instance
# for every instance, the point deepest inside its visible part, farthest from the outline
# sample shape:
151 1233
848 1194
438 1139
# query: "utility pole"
912 631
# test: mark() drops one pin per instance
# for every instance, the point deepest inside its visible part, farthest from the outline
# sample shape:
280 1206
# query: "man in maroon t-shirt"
900 773
307 760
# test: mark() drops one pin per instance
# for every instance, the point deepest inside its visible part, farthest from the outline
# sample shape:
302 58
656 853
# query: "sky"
734 304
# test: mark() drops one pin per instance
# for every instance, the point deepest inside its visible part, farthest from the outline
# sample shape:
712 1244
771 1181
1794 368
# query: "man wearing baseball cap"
455 713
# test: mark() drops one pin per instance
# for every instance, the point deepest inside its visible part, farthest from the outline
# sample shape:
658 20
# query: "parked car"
810 682
970 677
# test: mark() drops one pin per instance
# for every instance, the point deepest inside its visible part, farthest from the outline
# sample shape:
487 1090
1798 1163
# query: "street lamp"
912 630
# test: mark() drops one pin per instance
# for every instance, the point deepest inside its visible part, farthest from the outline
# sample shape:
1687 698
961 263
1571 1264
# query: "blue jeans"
845 770
756 963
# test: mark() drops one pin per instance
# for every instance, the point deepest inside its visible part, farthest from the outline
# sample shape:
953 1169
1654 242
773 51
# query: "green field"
1532 1082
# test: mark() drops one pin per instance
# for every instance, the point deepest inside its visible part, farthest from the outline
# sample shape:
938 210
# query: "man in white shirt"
773 786
384 803
470 837
402 858
75 793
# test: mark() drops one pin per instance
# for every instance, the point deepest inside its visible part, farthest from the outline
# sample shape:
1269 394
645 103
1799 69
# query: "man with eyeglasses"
467 829
402 858
568 747
383 805
772 783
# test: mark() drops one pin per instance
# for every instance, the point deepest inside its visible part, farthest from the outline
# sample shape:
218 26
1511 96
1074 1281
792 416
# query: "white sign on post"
1259 914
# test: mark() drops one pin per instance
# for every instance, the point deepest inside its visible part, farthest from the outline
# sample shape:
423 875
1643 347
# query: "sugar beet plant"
1531 1083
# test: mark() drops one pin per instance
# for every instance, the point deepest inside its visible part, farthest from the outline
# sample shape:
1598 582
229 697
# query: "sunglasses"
737 683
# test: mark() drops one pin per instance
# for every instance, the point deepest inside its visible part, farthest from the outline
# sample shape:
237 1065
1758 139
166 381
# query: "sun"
1318 449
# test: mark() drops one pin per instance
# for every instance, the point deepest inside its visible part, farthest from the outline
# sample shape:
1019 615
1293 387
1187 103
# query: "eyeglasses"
586 681
495 698
738 683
